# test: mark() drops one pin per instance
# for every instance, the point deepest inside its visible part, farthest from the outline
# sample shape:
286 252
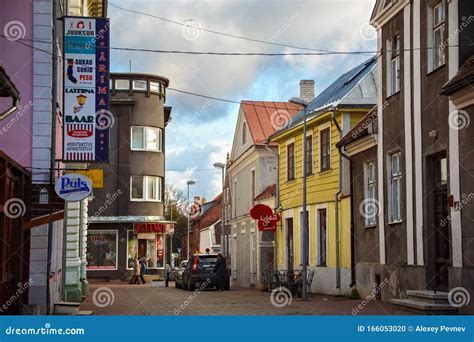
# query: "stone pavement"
125 299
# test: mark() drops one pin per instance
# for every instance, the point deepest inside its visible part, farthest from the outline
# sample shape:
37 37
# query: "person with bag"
136 273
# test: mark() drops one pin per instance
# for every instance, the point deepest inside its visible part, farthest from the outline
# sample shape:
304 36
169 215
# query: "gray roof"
356 88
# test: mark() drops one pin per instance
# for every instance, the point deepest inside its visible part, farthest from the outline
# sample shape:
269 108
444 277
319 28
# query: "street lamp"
304 227
222 167
189 183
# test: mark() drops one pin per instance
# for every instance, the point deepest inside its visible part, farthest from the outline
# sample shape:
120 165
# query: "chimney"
307 90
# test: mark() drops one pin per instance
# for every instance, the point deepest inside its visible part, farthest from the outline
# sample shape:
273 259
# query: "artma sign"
73 187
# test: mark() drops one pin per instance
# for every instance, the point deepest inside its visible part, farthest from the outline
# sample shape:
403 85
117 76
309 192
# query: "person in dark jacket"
219 271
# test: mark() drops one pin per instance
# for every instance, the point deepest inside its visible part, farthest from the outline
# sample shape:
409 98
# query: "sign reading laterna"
86 89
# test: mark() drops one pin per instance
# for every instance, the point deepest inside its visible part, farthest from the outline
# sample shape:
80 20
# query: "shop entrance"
150 245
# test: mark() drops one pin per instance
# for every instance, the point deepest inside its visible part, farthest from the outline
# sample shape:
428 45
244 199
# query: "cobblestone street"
124 299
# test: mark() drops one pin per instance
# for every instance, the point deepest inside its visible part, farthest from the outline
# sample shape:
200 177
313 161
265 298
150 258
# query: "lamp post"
221 166
304 220
189 183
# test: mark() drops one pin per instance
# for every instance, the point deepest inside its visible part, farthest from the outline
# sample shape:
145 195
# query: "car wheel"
176 285
227 286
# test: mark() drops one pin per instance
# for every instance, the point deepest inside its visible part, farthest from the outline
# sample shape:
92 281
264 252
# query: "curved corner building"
126 215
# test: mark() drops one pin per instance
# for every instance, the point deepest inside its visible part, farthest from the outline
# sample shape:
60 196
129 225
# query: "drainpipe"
54 95
277 197
336 204
351 179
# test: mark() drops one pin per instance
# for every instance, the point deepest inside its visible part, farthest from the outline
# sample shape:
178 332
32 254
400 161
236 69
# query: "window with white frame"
370 198
393 72
146 139
290 162
145 188
325 149
122 84
437 20
395 172
154 87
139 85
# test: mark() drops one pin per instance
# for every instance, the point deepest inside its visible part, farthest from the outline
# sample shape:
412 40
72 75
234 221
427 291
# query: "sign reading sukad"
267 219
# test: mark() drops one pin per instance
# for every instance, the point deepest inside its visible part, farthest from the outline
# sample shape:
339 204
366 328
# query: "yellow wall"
321 190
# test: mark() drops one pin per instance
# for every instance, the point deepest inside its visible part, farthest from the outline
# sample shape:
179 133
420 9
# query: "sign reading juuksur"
86 89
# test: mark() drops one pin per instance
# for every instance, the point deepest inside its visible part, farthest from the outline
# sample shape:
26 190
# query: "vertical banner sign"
86 89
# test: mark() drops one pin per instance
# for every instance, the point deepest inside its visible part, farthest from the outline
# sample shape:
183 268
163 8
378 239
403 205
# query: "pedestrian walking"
219 271
136 273
167 274
143 268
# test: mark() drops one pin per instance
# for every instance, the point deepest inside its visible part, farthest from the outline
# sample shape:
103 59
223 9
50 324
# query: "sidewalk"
125 299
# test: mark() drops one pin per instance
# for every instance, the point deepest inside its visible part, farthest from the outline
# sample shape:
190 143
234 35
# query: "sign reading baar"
86 89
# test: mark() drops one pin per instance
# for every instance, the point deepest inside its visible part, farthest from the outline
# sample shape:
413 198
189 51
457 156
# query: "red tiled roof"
464 77
268 192
265 118
360 129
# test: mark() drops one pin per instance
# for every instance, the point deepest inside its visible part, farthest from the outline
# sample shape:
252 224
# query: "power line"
270 54
255 40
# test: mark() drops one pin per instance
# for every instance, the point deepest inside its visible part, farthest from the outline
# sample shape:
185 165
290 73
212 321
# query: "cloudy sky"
201 130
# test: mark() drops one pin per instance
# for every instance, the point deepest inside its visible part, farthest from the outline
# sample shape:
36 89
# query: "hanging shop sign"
86 89
267 219
73 187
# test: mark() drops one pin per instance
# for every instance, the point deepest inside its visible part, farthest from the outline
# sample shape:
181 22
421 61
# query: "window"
122 84
102 249
145 188
370 199
395 187
309 155
290 161
154 87
146 139
393 77
139 85
325 152
437 35
244 133
322 237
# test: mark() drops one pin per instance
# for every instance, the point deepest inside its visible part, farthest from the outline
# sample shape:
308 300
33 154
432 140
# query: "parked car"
200 269
178 274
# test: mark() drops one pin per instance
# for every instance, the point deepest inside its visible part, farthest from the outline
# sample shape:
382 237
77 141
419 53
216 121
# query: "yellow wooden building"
329 116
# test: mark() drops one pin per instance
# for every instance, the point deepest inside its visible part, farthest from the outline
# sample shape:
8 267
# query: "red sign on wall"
267 219
161 228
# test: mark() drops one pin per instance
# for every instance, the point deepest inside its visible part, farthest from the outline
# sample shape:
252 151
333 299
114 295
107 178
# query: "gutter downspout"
351 178
277 198
336 205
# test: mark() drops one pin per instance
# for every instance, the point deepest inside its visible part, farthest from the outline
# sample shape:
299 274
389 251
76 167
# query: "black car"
200 270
